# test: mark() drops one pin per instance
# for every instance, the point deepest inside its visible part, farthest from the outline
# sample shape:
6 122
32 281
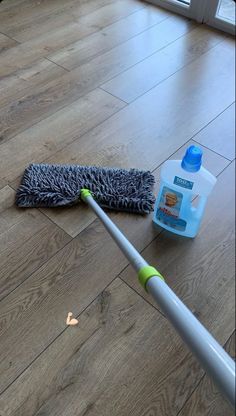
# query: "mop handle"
213 358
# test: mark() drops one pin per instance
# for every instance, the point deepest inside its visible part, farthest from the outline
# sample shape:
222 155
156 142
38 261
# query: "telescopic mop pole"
213 358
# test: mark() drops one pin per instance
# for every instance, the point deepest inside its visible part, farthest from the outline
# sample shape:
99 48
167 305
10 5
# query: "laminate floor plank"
15 86
63 67
85 49
219 135
137 48
206 399
7 5
22 23
74 219
54 132
201 271
147 74
151 128
123 358
27 240
69 281
122 139
48 98
6 43
49 39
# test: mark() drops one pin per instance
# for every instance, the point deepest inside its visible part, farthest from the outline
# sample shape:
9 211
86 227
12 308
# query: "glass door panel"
217 13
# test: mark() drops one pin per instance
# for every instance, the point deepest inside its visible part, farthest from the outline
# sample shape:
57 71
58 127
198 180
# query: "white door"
220 14
217 13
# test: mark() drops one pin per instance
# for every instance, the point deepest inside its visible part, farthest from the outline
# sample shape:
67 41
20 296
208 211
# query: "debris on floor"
71 321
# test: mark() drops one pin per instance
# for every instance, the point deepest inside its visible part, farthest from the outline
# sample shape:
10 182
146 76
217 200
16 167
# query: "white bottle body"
173 208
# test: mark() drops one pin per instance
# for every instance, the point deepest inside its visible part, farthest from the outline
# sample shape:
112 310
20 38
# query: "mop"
46 185
54 185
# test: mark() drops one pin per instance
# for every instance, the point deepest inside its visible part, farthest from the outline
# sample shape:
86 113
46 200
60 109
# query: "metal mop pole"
213 358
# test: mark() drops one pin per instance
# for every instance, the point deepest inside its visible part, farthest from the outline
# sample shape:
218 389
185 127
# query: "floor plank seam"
229 337
156 238
192 139
149 56
158 167
121 71
62 332
54 223
114 96
213 119
71 238
214 151
55 63
45 215
59 109
165 79
41 265
172 154
144 6
44 247
139 294
201 380
162 231
68 144
77 316
118 44
100 86
191 394
8 36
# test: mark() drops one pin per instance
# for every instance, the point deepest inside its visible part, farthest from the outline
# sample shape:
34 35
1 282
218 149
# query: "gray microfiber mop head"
59 185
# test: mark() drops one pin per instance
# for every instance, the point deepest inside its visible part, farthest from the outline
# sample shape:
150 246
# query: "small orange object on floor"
70 320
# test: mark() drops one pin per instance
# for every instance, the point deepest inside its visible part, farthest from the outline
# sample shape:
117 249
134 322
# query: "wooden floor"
112 83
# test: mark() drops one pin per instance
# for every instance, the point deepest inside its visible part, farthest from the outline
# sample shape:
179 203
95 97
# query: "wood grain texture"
200 279
6 43
3 183
50 40
22 81
67 282
122 140
9 4
219 135
142 77
27 240
206 399
23 22
135 49
123 358
7 196
85 49
48 98
54 132
74 219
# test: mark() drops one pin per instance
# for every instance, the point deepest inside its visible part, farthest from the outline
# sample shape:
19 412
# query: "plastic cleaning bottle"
181 182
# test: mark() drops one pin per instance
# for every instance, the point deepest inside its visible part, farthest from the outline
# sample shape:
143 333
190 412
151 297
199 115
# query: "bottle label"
183 183
169 209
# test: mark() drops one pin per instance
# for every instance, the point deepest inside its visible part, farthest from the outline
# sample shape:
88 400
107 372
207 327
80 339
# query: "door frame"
211 17
203 11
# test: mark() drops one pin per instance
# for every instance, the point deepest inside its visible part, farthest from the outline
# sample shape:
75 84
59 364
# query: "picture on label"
169 209
170 202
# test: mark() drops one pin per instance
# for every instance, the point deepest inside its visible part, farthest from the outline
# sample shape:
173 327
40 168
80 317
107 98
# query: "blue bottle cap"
192 160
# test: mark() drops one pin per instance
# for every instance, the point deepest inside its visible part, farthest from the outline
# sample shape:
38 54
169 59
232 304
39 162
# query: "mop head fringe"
46 185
